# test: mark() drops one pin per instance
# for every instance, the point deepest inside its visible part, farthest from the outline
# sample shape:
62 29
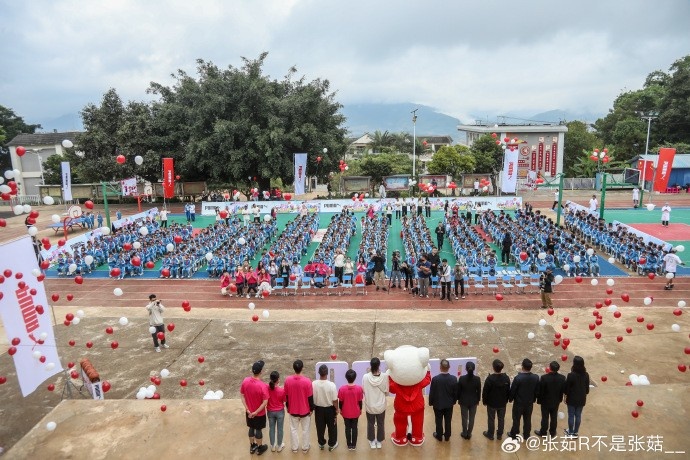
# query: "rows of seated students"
416 239
626 247
375 230
341 229
469 246
291 244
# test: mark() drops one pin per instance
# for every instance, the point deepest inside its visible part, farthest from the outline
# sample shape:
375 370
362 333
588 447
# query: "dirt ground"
353 328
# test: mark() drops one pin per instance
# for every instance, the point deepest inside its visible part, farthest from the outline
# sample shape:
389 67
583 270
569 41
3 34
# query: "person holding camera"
396 276
156 309
545 288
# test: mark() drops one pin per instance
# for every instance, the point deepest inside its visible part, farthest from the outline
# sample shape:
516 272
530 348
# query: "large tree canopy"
11 125
453 160
225 126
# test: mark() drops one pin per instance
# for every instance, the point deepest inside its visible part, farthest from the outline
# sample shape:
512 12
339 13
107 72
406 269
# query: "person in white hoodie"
375 385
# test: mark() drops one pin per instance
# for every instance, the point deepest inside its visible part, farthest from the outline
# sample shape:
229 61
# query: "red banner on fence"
663 169
168 178
540 156
533 162
554 158
646 169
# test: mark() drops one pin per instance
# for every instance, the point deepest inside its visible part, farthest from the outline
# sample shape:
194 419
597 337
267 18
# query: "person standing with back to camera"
156 309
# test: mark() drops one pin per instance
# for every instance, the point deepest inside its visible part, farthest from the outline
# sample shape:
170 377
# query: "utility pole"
649 118
414 143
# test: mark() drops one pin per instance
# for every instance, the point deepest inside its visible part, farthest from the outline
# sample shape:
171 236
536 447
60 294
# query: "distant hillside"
61 124
363 118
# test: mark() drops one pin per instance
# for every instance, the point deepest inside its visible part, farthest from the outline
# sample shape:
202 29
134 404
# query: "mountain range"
396 117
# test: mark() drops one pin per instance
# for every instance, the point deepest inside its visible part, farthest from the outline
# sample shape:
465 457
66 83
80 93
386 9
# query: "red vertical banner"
547 162
533 163
540 155
663 169
554 157
646 169
168 178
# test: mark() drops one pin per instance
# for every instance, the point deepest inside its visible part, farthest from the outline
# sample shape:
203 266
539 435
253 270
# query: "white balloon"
265 314
267 218
558 279
5 188
576 259
486 188
18 209
117 292
50 366
76 321
80 313
72 268
561 415
590 251
152 330
643 380
647 300
542 255
55 218
165 373
680 248
209 256
67 144
2 180
143 231
675 327
105 231
613 307
241 241
48 200
681 304
88 259
26 208
170 247
141 394
566 267
9 174
123 321
530 335
650 207
449 323
594 281
139 160
612 260
366 195
136 245
634 379
669 276
33 231
610 282
219 394
251 306
50 426
36 354
16 173
151 388
36 272
43 336
542 322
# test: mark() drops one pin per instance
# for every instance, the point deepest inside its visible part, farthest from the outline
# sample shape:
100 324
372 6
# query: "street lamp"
414 141
649 117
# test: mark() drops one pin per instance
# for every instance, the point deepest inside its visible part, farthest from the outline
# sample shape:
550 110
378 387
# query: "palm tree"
380 140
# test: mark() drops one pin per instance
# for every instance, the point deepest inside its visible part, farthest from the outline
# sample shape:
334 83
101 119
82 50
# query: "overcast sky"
461 57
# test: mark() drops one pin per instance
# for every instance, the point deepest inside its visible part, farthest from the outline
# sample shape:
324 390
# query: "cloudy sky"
464 58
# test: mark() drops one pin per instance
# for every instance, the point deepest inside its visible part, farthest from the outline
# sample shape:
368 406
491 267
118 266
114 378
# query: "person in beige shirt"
325 409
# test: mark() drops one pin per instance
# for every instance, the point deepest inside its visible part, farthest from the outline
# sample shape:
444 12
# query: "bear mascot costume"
408 374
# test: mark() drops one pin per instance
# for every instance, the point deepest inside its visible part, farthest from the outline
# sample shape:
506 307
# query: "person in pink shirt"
350 399
252 283
276 412
255 399
225 281
300 404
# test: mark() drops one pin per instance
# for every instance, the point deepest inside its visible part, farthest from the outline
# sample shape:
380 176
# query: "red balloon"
677 312
16 341
607 301
183 383
597 335
640 403
651 275
136 261
625 297
121 159
166 273
578 279
564 357
566 320
233 286
11 351
114 345
523 256
202 383
566 341
20 150
682 367
265 294
66 322
557 335
88 204
164 408
39 309
318 159
201 359
556 342
609 291
496 350
177 239
78 279
255 318
115 272
564 325
334 356
223 214
127 246
50 387
105 386
499 297
687 350
640 319
185 303
550 311
72 343
108 330
642 261
628 330
171 327
592 326
464 342
177 177
40 277
616 314
489 318
61 242
21 285
635 414
650 326
69 316
494 135
619 338
156 381
598 321
161 336
604 378
55 297
89 344
74 374
70 365
150 264
7 273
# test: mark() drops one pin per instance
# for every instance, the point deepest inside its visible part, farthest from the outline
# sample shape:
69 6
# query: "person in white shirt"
192 211
155 310
671 261
375 386
325 409
398 208
555 200
257 214
245 215
476 187
665 214
164 218
636 197
382 190
339 264
444 272
593 204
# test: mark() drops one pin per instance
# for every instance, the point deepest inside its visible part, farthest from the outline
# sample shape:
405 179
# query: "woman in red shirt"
224 282
252 282
276 412
240 282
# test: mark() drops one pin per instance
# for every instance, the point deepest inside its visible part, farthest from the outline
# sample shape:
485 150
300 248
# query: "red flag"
168 178
663 169
646 169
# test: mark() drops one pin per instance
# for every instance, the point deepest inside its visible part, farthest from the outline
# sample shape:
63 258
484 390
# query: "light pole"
414 142
649 119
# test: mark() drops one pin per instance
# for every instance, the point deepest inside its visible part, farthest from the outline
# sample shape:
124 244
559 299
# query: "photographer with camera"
156 309
396 276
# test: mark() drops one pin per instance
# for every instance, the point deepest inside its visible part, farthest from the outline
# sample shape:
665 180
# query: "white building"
38 148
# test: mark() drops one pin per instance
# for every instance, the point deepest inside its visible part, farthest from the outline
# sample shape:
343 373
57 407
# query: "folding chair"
305 285
347 284
319 284
534 282
478 285
434 286
492 283
507 285
360 283
278 288
333 283
519 284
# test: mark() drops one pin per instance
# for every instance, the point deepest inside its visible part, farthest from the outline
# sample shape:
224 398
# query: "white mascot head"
407 364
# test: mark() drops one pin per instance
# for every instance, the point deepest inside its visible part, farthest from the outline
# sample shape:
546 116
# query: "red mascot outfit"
409 401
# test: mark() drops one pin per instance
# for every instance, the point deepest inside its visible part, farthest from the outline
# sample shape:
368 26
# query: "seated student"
309 269
166 264
240 281
264 280
593 262
186 267
123 266
252 282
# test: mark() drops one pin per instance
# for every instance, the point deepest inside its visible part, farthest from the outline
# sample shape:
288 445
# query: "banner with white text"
300 172
66 181
509 177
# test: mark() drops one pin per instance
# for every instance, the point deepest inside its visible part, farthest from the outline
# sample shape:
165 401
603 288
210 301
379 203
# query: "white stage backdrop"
22 294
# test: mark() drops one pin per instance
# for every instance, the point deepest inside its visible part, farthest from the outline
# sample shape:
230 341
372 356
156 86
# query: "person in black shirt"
442 396
551 387
379 271
523 393
469 395
576 391
506 245
440 232
545 288
495 398
435 260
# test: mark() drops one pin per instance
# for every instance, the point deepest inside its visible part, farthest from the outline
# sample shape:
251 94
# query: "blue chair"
347 284
305 285
333 284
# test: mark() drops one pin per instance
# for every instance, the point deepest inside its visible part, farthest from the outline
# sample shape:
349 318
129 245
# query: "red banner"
547 162
646 169
540 156
533 163
554 158
168 178
663 169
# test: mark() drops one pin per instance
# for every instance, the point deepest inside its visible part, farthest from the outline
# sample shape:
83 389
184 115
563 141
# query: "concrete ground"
354 329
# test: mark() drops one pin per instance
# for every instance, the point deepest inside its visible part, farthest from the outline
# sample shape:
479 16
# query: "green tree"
380 140
578 139
586 167
379 166
487 155
674 106
452 160
11 125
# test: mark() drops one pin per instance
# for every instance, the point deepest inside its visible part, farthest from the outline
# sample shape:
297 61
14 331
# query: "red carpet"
674 232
